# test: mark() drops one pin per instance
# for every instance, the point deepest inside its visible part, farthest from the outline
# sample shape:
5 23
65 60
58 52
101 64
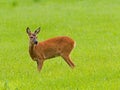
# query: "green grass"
93 24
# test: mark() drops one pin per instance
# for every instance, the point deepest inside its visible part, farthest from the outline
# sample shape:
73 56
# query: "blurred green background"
93 24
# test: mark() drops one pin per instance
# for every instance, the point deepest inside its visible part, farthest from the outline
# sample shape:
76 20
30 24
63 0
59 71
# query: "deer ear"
37 31
28 30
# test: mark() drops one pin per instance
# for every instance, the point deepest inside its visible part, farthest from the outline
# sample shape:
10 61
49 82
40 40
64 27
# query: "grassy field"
93 24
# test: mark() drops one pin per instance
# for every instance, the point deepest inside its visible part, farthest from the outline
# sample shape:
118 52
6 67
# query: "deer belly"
50 53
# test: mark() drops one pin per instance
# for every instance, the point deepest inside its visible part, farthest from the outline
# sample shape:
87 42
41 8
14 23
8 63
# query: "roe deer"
58 46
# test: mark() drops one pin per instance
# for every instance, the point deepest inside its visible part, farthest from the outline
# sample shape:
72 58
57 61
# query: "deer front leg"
39 65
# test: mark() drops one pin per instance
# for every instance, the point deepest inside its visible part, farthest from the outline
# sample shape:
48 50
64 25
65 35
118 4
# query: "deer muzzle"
35 41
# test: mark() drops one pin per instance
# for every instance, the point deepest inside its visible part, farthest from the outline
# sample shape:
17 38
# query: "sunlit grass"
94 25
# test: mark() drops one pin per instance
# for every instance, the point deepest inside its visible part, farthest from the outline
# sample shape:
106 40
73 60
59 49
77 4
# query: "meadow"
93 24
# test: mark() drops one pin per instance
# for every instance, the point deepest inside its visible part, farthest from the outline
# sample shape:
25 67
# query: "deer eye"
31 37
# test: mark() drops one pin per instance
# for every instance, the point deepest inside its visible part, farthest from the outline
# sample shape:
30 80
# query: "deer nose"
35 41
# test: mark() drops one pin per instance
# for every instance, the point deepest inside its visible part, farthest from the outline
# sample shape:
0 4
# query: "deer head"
32 36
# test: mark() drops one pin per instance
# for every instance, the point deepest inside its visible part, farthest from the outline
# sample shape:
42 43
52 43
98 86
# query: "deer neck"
31 51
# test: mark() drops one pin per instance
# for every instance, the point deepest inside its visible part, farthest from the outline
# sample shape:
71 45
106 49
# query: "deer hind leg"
66 56
68 60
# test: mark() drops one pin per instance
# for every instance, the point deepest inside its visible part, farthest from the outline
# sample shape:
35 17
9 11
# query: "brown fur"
58 46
